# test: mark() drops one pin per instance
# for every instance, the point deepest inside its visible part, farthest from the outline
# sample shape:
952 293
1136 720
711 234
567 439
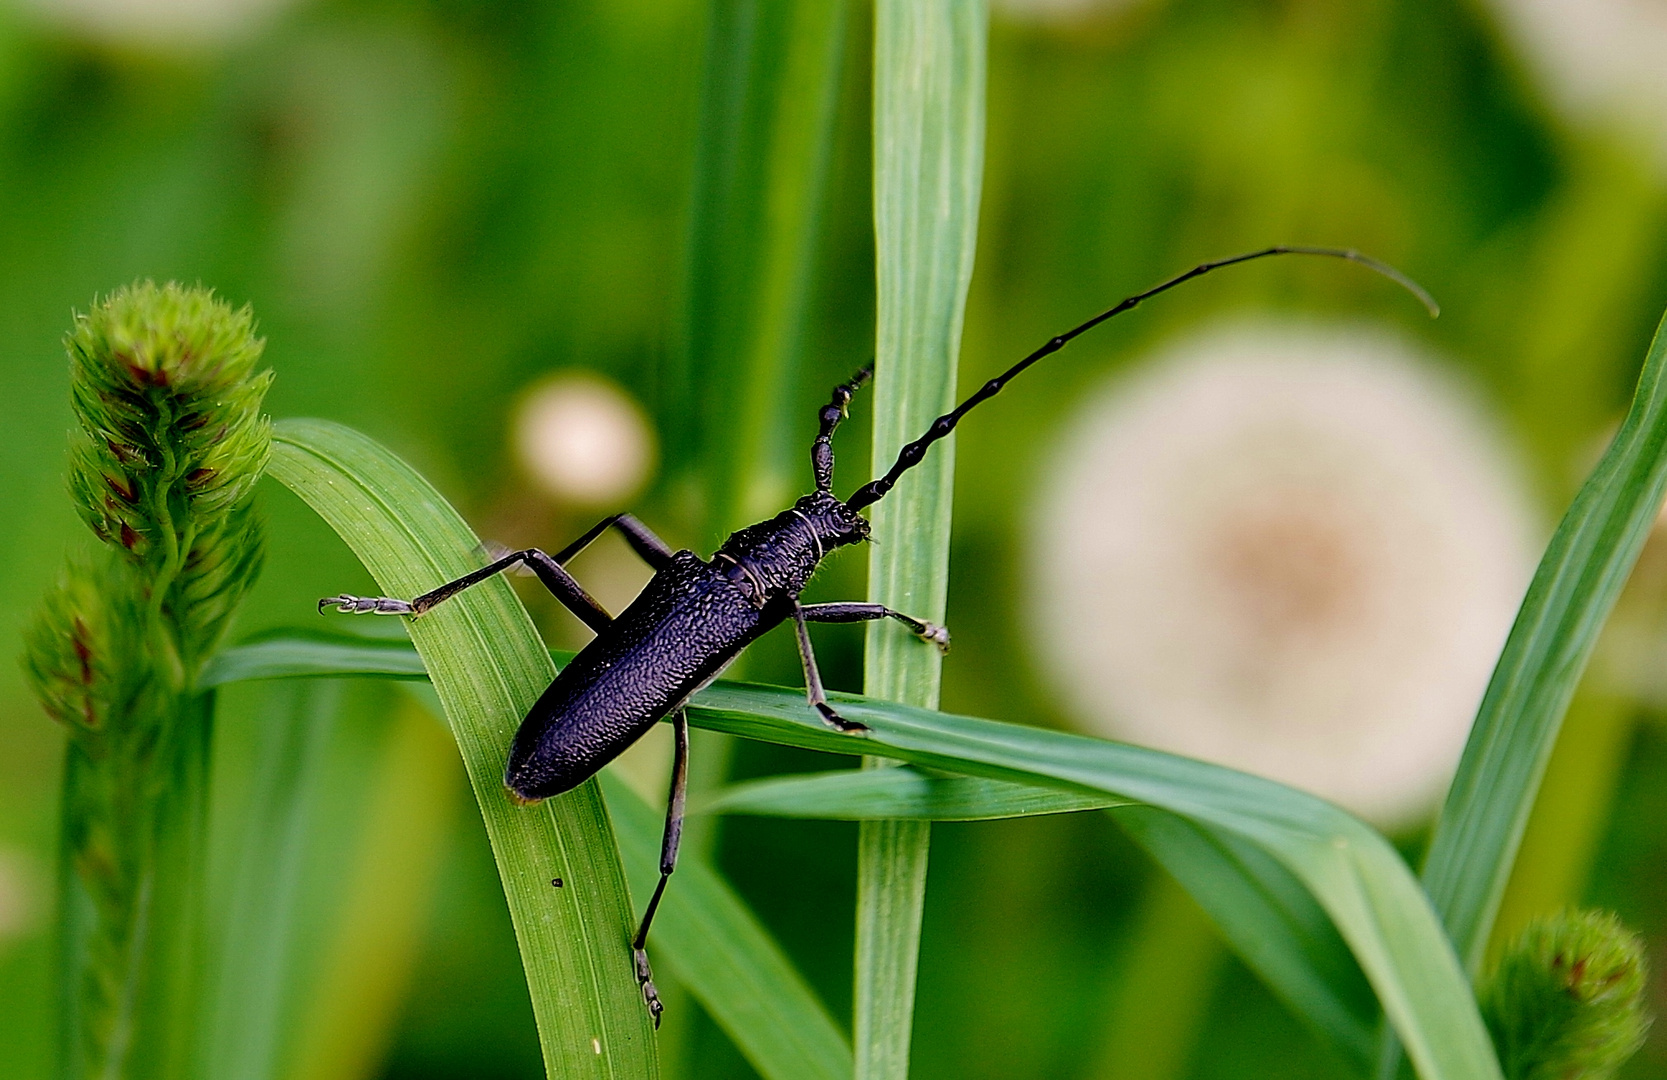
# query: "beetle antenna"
912 454
821 451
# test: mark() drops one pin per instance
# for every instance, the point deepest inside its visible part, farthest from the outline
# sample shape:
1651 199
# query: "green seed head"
164 384
73 682
166 388
1566 1000
79 651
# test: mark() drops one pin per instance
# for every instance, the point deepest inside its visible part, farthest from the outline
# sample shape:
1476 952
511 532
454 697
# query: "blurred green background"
432 204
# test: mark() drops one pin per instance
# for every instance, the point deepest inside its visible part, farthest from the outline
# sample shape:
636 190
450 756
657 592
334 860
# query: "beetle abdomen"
688 623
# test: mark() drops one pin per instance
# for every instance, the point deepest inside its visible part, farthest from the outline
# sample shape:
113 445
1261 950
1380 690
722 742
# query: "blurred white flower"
162 25
583 440
1599 58
1289 551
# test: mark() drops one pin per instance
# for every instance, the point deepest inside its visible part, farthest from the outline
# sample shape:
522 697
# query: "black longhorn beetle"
695 616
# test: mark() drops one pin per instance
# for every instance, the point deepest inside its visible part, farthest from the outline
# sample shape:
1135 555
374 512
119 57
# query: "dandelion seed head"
1599 59
1294 552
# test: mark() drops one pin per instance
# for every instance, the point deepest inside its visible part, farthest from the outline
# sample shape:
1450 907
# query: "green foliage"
715 946
573 941
1259 906
771 78
877 794
1574 589
330 797
929 60
252 995
1349 869
1295 882
488 667
171 442
1566 1000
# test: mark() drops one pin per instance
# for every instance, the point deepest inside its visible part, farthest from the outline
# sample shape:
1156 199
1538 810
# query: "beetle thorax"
775 558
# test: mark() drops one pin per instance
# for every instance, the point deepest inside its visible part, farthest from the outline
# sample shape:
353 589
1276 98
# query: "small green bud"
69 653
1566 1000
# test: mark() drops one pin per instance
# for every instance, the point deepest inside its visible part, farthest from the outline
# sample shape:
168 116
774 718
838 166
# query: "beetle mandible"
695 616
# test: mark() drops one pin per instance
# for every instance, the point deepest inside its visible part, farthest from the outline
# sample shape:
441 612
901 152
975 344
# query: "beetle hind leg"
669 842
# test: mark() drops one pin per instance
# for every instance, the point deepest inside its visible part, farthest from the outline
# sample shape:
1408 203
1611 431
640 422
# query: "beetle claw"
366 605
937 635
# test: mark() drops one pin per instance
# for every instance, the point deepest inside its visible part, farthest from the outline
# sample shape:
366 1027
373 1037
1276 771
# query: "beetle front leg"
669 841
813 678
848 613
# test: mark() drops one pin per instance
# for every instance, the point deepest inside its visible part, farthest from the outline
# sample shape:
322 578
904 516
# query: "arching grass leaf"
488 667
1282 872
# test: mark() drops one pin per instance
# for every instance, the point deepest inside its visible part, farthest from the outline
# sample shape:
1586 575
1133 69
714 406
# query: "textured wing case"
688 623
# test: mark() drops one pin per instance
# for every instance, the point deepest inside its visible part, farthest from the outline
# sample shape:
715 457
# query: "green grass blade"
769 91
258 879
1265 909
1261 908
1581 574
711 942
300 654
326 803
488 666
1350 870
928 168
878 794
1273 922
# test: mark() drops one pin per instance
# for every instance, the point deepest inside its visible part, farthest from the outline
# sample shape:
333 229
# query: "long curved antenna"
911 455
821 451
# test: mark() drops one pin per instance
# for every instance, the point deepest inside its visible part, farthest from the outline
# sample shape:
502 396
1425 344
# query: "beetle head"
835 524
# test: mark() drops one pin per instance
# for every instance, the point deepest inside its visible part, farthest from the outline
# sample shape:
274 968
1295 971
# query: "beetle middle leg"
560 583
813 677
669 841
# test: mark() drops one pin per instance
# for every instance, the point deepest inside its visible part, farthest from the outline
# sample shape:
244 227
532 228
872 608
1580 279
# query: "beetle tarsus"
834 720
366 605
937 635
645 979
